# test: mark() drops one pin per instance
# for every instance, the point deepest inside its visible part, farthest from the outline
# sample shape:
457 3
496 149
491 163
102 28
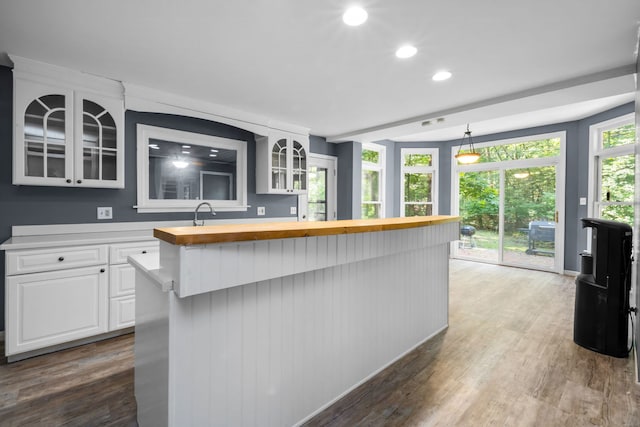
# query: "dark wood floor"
507 359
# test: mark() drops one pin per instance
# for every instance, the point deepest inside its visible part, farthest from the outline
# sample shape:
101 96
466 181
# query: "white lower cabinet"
44 309
60 294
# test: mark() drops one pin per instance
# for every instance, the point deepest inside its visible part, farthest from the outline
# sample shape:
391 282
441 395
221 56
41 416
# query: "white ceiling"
514 64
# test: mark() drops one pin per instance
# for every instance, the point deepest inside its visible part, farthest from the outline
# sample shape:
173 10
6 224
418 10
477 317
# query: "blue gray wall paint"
577 172
349 171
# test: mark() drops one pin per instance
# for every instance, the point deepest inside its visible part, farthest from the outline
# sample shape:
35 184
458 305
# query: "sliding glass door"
511 204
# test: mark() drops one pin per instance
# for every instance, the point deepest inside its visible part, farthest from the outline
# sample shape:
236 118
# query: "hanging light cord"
467 133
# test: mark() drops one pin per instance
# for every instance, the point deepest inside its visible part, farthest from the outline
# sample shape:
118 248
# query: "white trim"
140 98
332 181
380 167
595 153
144 204
433 169
558 161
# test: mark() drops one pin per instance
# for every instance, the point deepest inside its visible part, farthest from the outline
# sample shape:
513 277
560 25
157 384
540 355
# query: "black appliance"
602 289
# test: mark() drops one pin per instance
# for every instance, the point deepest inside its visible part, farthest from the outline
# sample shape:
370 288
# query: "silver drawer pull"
102 270
61 259
144 252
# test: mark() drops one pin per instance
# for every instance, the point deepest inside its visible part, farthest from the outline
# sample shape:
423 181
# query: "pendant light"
469 156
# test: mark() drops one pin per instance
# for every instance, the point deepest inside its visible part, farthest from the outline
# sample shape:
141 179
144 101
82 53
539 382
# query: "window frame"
433 169
146 205
597 153
375 167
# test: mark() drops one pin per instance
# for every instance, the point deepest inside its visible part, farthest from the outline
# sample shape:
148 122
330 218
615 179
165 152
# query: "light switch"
294 210
583 201
105 213
261 210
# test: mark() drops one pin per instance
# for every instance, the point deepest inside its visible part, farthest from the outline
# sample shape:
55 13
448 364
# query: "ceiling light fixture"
467 157
355 16
180 164
406 51
441 76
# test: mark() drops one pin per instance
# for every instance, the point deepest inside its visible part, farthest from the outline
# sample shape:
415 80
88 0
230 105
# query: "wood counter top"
283 230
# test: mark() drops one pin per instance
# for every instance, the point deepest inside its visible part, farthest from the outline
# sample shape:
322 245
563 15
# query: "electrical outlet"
261 210
105 213
294 210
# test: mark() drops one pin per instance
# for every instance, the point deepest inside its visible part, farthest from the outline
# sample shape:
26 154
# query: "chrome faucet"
195 214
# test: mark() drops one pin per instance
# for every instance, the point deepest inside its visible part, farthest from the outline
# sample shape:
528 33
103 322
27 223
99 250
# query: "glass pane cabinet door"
98 143
299 167
279 165
44 137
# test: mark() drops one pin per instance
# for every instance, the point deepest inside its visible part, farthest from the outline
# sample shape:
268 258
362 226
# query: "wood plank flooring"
507 359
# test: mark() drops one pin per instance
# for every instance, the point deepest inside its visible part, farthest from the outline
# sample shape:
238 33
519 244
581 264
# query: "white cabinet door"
281 163
122 312
45 309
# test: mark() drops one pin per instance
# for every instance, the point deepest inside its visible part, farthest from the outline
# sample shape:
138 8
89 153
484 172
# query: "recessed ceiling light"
213 150
406 51
185 152
355 16
441 75
180 164
213 155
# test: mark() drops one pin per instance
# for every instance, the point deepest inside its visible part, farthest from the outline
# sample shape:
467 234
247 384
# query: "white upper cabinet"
281 163
69 128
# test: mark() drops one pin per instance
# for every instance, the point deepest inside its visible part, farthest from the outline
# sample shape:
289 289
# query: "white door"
321 198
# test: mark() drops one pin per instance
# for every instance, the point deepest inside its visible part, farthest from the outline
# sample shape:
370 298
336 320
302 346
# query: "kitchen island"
267 324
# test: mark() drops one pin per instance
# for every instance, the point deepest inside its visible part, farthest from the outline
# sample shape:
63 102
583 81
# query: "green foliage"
619 136
480 199
417 160
521 150
370 156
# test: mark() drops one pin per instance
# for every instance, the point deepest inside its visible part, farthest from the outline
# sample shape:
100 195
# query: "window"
612 169
177 170
418 188
372 181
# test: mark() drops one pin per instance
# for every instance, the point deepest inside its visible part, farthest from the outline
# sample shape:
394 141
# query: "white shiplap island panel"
268 332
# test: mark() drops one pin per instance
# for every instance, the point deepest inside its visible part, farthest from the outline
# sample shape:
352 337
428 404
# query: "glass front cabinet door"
65 137
281 163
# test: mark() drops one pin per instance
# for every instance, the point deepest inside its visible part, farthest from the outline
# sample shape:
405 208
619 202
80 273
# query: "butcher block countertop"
284 230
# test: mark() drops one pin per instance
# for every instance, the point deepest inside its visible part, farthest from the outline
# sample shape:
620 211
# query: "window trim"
376 167
433 169
598 153
145 205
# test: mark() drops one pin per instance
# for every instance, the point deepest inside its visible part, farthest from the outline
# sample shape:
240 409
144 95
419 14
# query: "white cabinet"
44 309
58 294
281 163
122 276
69 128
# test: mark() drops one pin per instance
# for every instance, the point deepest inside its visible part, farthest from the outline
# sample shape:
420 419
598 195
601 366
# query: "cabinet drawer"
122 312
37 260
122 280
118 253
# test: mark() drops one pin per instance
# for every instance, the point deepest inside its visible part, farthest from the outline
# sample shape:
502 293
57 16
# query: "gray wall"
32 205
577 171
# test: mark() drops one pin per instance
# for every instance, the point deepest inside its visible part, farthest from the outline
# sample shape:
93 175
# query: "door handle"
556 217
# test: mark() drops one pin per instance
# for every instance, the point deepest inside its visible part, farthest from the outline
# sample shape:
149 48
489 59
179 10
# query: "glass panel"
520 150
34 160
55 161
370 186
417 160
55 144
370 210
620 136
317 201
108 131
422 209
479 209
91 163
299 166
279 165
370 156
620 213
617 178
529 217
417 187
109 165
190 173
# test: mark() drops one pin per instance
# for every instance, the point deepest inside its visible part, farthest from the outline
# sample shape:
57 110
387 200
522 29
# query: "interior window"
177 170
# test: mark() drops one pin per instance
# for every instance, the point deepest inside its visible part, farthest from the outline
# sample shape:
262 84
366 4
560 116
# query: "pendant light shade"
470 156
